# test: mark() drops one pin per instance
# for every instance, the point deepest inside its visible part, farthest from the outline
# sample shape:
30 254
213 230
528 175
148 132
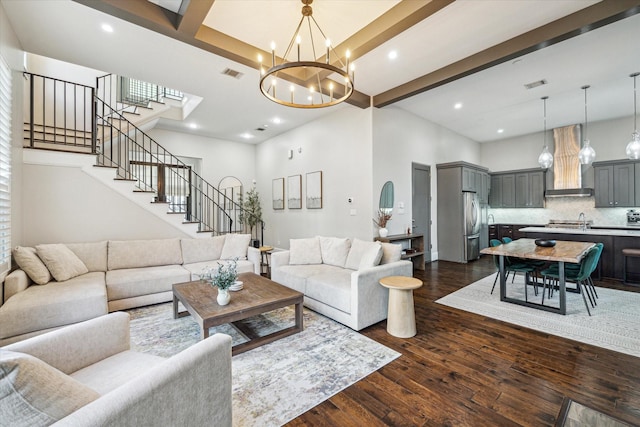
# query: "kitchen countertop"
626 232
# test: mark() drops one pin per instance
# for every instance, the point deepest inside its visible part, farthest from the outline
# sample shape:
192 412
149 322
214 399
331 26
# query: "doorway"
421 204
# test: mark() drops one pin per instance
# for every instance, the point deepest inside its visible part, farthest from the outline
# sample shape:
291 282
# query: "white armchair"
134 389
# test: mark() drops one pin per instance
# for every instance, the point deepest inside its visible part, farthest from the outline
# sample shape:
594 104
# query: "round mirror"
386 198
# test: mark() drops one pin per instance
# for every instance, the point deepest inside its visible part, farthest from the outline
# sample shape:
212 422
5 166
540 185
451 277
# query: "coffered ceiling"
479 53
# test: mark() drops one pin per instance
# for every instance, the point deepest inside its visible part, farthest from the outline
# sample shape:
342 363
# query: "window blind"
5 167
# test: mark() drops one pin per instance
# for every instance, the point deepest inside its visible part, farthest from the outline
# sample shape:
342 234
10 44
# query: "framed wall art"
294 192
277 191
314 190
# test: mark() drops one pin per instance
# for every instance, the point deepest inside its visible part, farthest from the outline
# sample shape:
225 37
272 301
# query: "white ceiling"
493 98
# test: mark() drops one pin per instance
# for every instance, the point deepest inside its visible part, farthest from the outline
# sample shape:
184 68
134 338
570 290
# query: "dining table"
562 252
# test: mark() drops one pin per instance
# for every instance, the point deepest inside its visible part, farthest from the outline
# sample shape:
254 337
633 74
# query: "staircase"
66 116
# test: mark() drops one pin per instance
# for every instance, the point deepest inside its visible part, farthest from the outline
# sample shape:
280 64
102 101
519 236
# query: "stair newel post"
94 122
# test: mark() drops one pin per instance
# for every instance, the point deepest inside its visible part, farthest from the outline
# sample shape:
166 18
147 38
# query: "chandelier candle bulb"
292 88
298 40
273 54
328 44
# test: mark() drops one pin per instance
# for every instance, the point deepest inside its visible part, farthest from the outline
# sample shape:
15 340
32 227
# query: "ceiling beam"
192 14
587 19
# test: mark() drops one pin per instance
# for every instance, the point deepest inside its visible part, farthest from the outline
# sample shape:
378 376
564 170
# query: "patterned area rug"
614 323
277 382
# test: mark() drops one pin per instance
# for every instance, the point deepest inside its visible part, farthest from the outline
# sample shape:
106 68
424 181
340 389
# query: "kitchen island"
614 239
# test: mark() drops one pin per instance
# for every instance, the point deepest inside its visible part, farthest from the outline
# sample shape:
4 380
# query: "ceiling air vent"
535 84
260 129
232 73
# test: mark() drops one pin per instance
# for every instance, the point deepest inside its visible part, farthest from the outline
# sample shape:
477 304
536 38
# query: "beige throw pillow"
29 262
391 252
363 254
34 393
305 251
235 246
61 261
334 250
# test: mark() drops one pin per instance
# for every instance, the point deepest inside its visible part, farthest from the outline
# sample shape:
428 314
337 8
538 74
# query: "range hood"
567 170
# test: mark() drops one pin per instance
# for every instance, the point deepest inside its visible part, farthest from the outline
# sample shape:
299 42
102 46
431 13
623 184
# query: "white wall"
219 158
62 204
339 145
400 138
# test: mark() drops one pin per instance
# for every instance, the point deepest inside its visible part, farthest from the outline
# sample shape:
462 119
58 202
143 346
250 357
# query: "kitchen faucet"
582 218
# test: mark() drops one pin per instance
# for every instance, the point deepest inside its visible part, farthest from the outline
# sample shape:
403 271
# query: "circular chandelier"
321 91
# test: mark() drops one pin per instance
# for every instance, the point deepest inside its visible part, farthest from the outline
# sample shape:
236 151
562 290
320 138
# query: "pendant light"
546 158
587 154
633 147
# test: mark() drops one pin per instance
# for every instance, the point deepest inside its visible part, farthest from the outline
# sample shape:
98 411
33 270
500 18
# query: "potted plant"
224 276
251 213
381 221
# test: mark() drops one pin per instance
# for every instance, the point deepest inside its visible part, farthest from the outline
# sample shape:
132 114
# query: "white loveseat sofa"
340 277
62 284
86 375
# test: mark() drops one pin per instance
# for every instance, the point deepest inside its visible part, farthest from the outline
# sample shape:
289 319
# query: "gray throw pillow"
34 393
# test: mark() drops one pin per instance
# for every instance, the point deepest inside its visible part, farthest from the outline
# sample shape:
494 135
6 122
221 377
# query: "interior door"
421 204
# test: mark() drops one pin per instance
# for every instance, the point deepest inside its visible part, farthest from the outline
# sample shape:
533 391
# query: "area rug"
274 383
614 323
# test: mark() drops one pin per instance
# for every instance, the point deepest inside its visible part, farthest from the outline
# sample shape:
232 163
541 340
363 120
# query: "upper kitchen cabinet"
615 184
517 189
475 179
530 189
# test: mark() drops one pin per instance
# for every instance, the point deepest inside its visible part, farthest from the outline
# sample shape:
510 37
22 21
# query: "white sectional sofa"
86 375
340 277
62 284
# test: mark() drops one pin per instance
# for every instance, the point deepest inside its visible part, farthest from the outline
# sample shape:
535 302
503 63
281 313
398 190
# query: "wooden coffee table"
259 295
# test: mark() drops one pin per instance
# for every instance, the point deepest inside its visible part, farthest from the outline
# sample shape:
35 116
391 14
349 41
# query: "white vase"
383 232
223 296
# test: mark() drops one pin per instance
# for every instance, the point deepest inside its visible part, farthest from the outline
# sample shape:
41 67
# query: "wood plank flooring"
463 369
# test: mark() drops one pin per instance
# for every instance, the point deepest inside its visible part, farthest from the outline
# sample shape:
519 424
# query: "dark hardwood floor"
462 369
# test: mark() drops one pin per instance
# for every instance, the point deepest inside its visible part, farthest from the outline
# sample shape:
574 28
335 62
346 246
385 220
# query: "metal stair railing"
136 156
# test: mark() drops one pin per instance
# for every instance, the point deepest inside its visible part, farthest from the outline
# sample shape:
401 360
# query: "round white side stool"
401 318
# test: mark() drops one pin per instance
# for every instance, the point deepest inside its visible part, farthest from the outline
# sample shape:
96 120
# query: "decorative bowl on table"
545 243
237 285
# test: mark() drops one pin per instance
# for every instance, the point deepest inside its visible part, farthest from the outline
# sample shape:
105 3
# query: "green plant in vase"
225 276
251 213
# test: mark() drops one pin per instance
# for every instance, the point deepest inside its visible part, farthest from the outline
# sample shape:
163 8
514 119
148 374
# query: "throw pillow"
391 252
61 261
199 250
334 250
28 261
305 251
360 249
235 246
34 393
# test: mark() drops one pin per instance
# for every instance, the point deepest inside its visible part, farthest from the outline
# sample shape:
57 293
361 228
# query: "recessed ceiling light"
193 125
500 130
246 135
107 28
276 120
457 105
393 54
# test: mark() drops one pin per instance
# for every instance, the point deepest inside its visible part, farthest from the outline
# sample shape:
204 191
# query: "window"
5 167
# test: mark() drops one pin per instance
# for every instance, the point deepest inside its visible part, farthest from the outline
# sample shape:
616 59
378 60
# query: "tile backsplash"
565 208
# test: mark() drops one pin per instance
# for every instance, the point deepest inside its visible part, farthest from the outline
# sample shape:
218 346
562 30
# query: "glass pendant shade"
546 158
587 154
633 147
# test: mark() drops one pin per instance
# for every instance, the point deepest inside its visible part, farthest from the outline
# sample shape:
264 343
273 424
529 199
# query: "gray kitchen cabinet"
615 184
517 189
529 189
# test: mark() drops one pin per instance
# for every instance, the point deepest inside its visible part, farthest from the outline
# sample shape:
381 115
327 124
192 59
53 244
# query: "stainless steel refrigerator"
471 225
